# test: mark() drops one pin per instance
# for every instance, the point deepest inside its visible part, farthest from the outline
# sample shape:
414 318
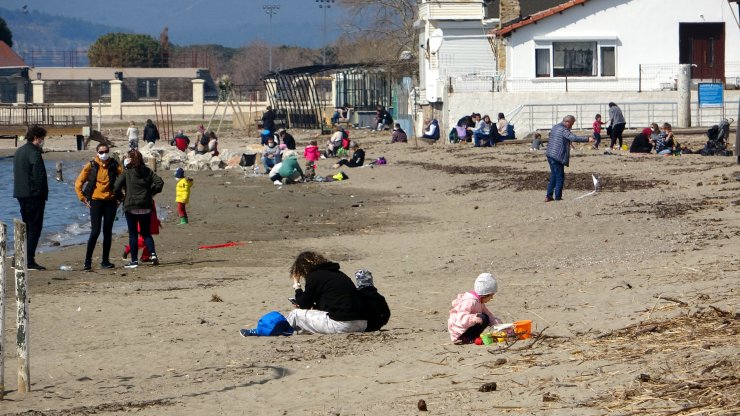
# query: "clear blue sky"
228 22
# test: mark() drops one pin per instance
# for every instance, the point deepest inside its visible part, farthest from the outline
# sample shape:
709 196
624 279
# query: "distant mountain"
44 37
45 40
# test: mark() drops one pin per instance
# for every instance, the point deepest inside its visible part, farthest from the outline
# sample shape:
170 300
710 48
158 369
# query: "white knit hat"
485 284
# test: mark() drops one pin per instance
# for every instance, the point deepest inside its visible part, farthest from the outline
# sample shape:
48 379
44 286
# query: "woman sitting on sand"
330 304
641 142
432 130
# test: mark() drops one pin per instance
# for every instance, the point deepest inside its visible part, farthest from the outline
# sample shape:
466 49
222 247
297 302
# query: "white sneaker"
277 183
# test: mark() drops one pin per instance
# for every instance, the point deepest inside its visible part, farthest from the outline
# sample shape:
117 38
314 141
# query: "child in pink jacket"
311 153
469 315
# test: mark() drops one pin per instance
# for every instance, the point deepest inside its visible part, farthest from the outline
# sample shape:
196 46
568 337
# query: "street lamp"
324 4
271 9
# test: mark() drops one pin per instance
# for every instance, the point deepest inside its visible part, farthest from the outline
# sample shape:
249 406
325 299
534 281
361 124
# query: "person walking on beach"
616 125
139 185
94 187
31 189
558 155
133 135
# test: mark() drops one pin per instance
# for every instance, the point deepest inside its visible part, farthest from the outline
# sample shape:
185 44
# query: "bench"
347 121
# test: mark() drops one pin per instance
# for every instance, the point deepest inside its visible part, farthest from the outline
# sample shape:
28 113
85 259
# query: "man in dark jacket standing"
268 120
31 189
558 155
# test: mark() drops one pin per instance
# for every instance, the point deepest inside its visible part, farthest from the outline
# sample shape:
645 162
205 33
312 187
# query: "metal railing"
531 117
44 114
651 77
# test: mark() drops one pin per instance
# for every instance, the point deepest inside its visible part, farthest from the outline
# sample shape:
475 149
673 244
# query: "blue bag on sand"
271 324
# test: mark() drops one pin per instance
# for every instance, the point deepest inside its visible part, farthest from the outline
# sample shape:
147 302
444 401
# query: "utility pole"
271 9
324 4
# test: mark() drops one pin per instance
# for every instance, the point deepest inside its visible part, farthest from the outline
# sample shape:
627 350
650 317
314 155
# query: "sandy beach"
633 292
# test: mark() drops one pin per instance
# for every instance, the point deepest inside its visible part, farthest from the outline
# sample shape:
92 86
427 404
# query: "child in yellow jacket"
182 196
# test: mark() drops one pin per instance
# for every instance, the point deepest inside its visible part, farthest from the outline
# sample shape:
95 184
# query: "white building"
574 56
454 42
622 45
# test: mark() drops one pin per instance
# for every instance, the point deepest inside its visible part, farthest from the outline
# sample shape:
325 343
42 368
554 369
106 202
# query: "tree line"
380 32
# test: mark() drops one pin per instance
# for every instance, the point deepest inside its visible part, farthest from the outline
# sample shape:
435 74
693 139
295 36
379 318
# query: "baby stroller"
718 136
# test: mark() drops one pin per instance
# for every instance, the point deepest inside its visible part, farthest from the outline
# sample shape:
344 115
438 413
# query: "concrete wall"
180 110
645 32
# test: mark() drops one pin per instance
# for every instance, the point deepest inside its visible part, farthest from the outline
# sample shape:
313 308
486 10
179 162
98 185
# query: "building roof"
108 73
8 57
509 27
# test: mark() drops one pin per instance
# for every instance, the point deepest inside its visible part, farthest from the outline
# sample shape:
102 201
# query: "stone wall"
509 10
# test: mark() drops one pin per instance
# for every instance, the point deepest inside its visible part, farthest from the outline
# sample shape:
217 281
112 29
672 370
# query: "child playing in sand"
536 142
469 315
182 194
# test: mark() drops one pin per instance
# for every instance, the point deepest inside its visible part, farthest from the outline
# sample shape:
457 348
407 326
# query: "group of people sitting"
481 130
206 142
280 158
327 301
655 138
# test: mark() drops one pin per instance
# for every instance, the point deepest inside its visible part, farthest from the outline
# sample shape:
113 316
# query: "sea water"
66 219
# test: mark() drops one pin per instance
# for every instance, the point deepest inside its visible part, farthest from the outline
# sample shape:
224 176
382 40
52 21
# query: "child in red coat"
145 254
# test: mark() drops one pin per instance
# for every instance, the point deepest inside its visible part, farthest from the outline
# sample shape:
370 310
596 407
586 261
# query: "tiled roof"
526 7
8 57
509 27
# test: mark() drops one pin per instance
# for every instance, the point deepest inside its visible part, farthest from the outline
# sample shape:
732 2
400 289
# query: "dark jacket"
289 141
358 158
268 120
29 173
330 290
151 133
376 308
140 186
641 144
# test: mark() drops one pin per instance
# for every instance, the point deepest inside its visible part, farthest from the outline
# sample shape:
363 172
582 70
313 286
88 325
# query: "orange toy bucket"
523 329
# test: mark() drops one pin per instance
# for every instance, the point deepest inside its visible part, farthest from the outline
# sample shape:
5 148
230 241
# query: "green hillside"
46 40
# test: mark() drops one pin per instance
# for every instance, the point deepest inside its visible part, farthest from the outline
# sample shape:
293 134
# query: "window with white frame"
147 88
575 59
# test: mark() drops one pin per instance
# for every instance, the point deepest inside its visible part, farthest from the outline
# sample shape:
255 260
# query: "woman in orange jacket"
94 187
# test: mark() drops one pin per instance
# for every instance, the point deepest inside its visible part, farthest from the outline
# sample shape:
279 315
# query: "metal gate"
296 94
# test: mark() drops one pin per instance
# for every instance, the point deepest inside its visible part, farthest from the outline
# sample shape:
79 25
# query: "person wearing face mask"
270 154
138 184
31 189
94 187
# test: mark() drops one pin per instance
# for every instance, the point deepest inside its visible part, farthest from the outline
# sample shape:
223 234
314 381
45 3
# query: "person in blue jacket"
558 155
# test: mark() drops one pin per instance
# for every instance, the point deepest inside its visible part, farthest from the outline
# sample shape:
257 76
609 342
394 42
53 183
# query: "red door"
703 46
